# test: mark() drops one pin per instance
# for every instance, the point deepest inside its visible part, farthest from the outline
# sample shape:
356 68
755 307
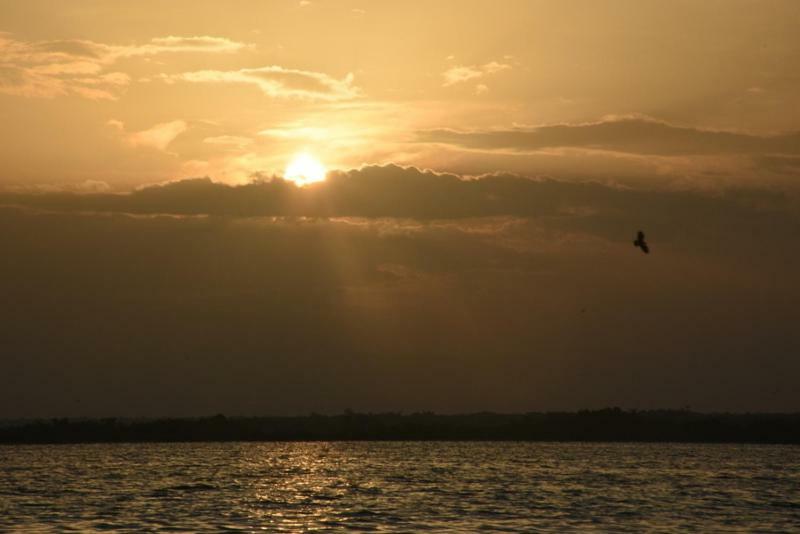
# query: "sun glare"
304 169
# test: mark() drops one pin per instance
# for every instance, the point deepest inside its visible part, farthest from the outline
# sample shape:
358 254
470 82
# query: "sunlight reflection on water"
403 486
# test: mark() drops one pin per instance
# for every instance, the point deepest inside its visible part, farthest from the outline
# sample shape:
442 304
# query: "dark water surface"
400 486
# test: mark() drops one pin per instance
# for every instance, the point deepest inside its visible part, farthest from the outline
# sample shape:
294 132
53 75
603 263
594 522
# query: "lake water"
400 486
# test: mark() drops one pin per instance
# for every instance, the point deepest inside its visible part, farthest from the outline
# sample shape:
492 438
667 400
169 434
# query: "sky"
459 237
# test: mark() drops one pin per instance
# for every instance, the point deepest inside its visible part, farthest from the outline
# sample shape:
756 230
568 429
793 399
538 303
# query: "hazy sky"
471 248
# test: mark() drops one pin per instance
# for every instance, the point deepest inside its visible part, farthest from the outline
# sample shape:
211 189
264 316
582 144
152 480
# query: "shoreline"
602 426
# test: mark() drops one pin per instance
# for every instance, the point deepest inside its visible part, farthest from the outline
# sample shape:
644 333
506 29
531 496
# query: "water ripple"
399 486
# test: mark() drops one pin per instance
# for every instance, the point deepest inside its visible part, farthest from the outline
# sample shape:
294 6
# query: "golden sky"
99 95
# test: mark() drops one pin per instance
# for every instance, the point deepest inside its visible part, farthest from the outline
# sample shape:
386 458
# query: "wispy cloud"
48 69
461 74
634 134
158 137
171 44
279 82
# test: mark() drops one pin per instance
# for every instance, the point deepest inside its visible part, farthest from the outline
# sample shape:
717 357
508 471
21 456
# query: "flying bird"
641 243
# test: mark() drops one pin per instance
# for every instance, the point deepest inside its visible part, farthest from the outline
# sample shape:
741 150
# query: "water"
400 486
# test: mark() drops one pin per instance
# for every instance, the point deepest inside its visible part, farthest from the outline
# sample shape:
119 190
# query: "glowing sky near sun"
304 169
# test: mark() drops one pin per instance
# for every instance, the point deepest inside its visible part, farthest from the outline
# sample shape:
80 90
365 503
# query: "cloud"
461 74
87 186
279 82
51 81
752 218
548 305
116 124
158 137
49 69
630 135
173 44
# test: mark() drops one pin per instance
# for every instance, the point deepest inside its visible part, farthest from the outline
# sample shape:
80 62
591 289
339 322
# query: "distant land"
610 424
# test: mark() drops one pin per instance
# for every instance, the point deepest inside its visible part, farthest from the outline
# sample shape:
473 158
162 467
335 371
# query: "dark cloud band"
635 136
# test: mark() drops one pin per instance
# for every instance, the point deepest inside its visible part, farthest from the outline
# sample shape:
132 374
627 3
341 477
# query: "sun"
304 169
